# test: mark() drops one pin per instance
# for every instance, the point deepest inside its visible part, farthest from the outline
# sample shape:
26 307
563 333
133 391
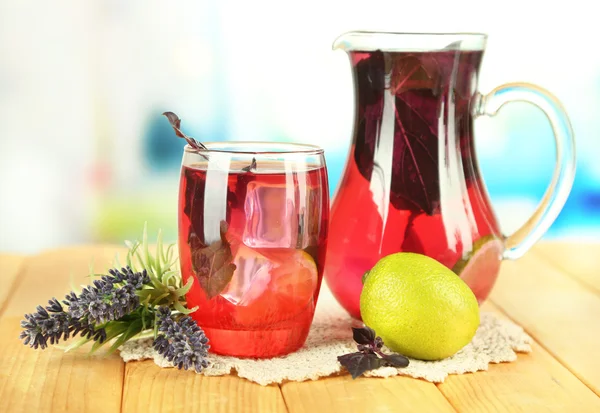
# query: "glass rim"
389 41
262 148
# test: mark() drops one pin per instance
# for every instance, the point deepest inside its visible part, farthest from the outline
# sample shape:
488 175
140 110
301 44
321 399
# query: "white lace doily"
496 341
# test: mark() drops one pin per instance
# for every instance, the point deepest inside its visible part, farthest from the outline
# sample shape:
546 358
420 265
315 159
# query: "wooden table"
553 292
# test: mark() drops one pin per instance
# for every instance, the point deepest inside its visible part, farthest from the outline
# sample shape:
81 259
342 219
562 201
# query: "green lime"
419 307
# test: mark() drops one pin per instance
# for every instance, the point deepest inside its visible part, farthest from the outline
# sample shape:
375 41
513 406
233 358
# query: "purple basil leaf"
195 184
415 142
364 335
213 264
415 175
395 360
425 87
366 348
411 72
370 76
358 363
176 125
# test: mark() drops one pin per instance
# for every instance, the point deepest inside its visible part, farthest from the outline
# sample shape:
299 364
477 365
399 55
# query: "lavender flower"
109 298
105 300
52 324
85 329
183 343
126 275
111 307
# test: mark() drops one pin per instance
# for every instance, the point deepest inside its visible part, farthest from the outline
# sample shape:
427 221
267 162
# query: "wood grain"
50 273
343 394
580 260
535 382
149 389
51 381
9 269
559 312
552 292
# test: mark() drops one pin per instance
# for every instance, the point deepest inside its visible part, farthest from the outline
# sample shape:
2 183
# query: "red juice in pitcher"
411 182
254 241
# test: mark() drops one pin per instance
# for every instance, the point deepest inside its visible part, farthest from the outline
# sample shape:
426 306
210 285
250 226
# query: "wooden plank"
50 380
149 389
535 382
343 394
50 274
580 260
9 269
556 310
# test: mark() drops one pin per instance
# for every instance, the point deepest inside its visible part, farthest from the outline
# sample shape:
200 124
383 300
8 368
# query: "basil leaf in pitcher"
412 99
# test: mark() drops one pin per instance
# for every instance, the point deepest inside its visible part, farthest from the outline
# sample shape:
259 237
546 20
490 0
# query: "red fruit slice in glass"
283 284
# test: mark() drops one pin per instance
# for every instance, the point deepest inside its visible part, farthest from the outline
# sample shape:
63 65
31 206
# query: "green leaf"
144 325
143 334
148 261
148 317
166 287
130 254
97 345
172 263
157 261
135 327
155 325
160 297
213 264
77 344
114 328
183 310
184 290
170 275
138 256
169 255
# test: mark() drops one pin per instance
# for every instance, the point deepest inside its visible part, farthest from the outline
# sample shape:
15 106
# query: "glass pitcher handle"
564 172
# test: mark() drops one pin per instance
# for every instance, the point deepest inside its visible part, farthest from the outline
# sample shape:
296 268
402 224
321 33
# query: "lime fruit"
419 307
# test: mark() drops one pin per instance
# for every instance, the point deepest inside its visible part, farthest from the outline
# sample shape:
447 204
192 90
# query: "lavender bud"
182 342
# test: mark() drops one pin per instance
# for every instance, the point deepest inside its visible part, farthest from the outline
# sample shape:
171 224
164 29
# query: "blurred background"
85 155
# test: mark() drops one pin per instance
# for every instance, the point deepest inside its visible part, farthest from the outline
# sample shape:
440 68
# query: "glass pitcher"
411 181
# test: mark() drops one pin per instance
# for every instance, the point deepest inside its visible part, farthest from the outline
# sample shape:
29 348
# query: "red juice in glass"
253 220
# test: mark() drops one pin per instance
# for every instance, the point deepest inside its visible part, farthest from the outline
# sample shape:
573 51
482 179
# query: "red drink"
253 237
411 182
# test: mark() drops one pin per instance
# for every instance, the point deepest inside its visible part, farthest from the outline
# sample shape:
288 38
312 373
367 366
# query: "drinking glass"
253 222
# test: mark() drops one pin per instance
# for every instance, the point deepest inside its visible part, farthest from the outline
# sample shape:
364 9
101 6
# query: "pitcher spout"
359 40
344 41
